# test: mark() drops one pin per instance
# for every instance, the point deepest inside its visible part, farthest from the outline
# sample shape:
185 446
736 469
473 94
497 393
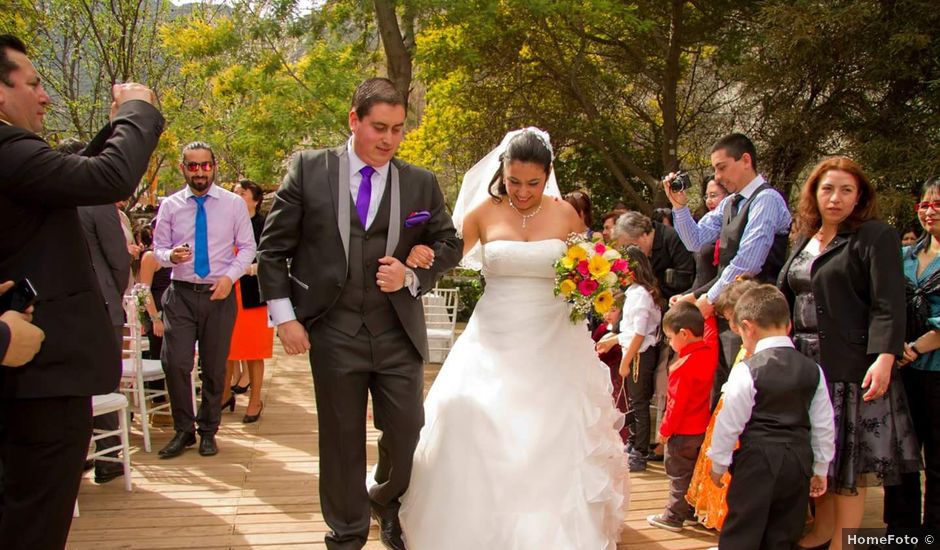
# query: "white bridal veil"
475 188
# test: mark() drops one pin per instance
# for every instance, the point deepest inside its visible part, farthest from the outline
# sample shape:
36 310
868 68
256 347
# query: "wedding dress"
520 448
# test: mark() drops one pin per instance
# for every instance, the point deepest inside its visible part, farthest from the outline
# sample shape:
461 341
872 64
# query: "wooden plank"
261 490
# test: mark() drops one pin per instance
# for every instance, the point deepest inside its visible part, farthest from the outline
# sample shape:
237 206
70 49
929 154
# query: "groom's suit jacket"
304 249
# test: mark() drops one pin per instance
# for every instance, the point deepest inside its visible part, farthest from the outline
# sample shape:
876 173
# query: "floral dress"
875 440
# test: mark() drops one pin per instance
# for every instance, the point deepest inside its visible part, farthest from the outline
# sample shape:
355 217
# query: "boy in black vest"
776 402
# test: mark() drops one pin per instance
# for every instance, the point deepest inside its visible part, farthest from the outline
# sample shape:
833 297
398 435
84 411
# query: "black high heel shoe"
240 389
249 418
230 404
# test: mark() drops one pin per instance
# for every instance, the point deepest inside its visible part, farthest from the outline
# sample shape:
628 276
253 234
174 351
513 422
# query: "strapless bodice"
530 259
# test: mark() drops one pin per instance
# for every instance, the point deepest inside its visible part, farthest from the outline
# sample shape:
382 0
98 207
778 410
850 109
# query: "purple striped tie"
365 193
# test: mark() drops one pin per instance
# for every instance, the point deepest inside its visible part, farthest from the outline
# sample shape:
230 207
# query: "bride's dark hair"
525 147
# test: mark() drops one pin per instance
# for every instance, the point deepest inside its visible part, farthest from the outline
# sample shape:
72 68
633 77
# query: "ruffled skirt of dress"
520 448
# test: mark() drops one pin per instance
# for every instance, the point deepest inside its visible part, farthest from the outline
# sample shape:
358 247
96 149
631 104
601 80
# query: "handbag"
251 292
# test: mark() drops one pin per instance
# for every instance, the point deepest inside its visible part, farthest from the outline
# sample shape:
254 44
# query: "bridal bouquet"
591 275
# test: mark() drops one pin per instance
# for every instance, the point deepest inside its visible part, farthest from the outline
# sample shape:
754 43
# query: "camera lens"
680 182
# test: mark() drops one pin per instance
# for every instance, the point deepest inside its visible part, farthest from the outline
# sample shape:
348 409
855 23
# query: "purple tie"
365 193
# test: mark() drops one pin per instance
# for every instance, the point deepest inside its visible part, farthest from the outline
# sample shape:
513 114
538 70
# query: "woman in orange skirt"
252 338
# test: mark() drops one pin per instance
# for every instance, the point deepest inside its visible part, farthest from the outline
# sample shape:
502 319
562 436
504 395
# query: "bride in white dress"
520 448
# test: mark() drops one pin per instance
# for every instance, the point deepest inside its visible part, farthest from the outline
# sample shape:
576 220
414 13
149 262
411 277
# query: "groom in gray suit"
331 269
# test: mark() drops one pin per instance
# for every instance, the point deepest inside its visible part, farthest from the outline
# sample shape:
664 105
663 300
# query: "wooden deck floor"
260 491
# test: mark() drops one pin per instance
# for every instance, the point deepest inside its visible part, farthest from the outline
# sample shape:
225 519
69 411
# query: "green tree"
627 81
81 48
842 77
269 80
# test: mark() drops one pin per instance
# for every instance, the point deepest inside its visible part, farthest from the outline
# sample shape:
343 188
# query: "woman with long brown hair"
846 291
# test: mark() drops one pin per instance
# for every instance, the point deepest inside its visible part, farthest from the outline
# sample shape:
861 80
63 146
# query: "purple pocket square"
417 218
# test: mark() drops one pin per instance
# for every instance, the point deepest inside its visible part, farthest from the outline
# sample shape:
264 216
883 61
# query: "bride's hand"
420 256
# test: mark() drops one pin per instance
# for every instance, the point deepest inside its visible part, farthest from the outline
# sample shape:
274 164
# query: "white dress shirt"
640 315
738 405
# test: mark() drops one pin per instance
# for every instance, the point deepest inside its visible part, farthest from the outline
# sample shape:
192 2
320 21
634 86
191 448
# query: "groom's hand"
293 337
391 274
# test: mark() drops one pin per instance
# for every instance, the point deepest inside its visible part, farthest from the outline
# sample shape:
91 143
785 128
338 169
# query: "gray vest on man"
732 230
785 381
361 302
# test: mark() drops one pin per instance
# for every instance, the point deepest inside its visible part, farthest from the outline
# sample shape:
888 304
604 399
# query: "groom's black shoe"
389 528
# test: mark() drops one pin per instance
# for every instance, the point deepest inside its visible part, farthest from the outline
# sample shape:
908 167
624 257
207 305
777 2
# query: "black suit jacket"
858 284
109 256
302 255
668 252
42 239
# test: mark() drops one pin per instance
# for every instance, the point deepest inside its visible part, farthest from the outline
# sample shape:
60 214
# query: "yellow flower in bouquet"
603 301
576 254
598 266
567 287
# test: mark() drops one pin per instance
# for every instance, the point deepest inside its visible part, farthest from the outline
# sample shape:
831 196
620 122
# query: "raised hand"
420 256
677 198
122 93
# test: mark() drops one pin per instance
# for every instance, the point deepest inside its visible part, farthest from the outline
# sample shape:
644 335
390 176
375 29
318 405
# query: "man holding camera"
45 405
752 225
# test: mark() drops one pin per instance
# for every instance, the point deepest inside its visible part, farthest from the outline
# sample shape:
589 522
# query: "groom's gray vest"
361 302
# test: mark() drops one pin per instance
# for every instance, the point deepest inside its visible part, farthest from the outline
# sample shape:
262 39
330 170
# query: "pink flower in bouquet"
619 266
583 268
600 248
587 287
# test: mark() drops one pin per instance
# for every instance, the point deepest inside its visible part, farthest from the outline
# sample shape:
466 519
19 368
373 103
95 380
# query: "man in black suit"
45 405
330 267
672 263
112 264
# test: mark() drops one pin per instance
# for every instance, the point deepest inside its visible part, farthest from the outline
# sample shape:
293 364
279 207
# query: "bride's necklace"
525 217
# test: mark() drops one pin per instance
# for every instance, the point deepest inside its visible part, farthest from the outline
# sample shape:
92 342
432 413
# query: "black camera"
681 182
19 298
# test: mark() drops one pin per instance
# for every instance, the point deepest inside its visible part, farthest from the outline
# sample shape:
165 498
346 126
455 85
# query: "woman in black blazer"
846 290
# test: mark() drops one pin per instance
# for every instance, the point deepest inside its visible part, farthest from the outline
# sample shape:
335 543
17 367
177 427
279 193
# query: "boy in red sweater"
695 341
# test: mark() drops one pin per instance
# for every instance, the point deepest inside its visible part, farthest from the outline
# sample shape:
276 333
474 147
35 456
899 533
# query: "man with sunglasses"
203 233
45 405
